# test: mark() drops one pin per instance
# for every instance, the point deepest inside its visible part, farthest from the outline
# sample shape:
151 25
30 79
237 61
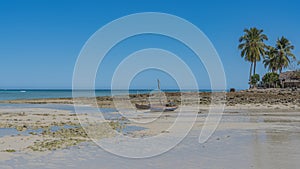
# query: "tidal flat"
250 134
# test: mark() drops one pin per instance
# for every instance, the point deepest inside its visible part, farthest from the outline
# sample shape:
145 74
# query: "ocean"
42 94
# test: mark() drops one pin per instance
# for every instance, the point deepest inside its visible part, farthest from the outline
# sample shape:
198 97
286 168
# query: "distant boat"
22 91
159 107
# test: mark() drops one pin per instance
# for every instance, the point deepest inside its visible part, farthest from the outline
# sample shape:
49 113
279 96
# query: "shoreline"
253 96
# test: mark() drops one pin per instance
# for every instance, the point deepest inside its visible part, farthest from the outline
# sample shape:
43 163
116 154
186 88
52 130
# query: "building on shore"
290 79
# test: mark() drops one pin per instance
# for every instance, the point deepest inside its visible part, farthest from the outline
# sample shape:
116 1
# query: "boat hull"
157 108
142 107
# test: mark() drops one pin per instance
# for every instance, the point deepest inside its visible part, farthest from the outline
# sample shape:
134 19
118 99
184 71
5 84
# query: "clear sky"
40 40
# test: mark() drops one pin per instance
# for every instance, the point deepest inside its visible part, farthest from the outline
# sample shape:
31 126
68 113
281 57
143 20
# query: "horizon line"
3 89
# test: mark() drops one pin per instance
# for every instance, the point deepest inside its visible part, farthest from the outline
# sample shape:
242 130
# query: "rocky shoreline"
254 96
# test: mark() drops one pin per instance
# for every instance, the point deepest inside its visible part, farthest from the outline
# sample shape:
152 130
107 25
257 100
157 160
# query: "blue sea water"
41 94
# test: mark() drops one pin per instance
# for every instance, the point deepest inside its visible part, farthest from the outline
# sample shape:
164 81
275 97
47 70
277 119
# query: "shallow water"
14 132
42 94
235 149
108 114
47 106
67 107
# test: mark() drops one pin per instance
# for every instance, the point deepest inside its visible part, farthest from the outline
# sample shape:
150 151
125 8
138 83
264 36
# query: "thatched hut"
290 79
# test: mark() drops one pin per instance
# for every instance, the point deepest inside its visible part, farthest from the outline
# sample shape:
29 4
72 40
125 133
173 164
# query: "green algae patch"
10 150
62 138
67 137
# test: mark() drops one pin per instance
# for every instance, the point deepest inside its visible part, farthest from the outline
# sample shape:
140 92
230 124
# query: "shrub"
271 80
254 80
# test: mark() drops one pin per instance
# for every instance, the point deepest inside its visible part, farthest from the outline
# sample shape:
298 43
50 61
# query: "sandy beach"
149 85
251 134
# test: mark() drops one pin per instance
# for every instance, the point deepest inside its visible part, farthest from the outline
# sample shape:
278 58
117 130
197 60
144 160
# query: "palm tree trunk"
250 74
254 69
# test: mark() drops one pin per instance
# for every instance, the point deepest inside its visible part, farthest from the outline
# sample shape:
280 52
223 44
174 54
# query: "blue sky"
40 40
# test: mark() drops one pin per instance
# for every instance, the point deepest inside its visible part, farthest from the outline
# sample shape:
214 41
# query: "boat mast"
158 84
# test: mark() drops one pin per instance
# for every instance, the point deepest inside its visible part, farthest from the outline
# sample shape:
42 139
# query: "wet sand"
265 137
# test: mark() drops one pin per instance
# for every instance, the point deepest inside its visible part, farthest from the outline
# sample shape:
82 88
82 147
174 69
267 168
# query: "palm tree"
284 53
252 47
271 59
278 57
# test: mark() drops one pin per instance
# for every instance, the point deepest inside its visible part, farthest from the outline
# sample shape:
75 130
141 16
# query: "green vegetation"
252 47
280 56
254 80
270 60
271 79
275 59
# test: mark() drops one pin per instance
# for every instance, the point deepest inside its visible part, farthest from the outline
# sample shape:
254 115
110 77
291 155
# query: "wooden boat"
159 107
155 107
142 106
